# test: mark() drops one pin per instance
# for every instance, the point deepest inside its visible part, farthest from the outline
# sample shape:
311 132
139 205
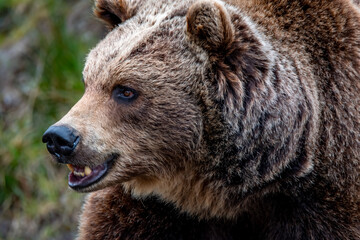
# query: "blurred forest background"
43 45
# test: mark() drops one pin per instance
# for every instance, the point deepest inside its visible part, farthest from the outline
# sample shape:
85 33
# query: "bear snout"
61 141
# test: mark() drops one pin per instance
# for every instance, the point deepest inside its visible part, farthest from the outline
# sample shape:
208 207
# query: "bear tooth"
87 171
71 168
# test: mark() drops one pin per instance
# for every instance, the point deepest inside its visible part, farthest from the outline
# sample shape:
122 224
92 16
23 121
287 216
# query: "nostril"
66 148
60 140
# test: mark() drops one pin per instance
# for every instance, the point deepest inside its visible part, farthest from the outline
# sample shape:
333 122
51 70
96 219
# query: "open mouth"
84 176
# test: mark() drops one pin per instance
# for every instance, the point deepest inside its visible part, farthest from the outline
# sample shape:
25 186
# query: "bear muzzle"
62 142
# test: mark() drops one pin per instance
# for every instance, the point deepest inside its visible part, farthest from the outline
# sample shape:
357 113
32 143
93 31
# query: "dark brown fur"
246 126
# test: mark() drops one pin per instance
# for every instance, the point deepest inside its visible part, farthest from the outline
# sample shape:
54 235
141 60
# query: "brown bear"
218 120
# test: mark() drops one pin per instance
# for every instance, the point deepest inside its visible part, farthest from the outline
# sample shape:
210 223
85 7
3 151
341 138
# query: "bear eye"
124 94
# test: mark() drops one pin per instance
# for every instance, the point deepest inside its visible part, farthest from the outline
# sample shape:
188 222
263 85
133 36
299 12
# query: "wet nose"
60 140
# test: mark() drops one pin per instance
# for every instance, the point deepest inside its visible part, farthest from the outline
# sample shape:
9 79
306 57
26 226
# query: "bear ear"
112 12
209 25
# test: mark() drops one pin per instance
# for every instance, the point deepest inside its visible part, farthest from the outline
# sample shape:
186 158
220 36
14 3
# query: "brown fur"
246 125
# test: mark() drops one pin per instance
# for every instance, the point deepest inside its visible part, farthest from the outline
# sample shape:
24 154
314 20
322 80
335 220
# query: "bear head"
182 100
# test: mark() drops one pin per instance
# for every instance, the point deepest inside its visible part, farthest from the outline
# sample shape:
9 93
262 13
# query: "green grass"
35 202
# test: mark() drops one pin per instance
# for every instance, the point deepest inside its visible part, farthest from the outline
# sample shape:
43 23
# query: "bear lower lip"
96 174
77 182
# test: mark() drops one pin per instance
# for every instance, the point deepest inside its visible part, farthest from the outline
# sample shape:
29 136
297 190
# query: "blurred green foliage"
35 202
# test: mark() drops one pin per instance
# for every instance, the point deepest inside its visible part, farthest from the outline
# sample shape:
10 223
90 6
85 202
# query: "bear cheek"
155 142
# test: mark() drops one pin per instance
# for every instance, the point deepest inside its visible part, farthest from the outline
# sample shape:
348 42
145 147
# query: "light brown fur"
247 117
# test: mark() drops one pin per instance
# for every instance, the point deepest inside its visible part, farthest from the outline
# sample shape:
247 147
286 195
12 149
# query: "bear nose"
60 140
